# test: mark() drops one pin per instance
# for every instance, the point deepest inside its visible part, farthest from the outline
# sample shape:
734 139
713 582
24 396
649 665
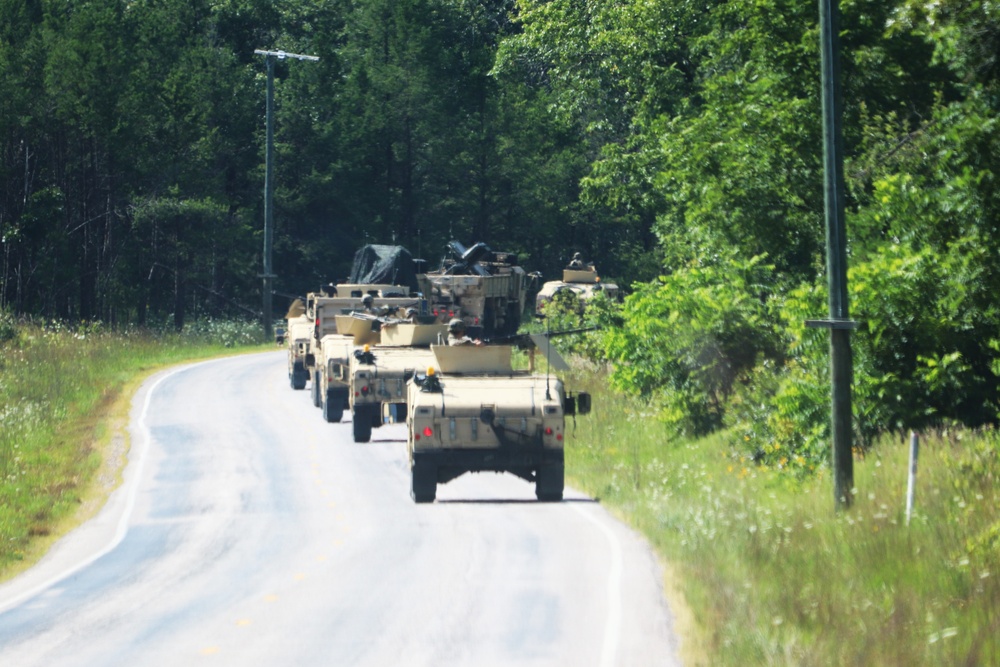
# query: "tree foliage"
676 143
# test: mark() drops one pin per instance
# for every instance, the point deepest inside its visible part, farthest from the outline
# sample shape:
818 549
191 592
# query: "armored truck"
474 413
485 288
378 374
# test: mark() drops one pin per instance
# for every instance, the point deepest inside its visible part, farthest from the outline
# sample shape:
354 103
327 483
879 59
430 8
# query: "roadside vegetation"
711 436
60 387
773 575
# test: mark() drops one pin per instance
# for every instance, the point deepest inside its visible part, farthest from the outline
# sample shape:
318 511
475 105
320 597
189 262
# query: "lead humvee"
478 414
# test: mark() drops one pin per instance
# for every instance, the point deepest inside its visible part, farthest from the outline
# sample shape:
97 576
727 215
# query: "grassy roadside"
774 576
64 401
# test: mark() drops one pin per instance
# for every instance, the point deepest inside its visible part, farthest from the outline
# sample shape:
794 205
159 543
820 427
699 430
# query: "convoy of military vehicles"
377 347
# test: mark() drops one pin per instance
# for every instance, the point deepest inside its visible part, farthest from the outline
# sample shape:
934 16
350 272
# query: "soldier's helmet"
411 312
456 326
367 301
577 256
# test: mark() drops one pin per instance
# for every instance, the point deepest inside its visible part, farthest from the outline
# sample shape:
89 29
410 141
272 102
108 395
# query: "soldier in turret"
576 262
456 334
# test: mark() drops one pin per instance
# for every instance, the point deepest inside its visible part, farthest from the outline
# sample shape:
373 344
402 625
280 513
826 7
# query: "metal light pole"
839 323
268 274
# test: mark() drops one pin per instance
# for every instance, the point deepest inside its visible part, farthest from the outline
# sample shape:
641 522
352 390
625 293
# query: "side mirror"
578 404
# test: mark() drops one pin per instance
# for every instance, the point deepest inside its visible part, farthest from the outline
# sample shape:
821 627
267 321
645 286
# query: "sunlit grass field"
774 575
58 388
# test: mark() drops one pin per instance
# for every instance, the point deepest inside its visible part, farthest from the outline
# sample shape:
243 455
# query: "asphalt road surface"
248 532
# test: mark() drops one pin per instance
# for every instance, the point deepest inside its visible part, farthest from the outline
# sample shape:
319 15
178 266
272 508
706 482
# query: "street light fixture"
268 274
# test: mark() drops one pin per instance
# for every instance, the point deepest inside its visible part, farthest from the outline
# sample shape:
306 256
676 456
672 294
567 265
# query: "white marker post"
911 482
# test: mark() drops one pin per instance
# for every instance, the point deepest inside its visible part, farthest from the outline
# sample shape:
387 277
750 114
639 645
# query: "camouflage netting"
385 264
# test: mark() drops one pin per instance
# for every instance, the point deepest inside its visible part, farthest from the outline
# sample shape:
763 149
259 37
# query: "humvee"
378 374
324 306
581 283
478 414
297 338
332 385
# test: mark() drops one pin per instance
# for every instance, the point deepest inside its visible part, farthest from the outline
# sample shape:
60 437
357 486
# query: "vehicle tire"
362 426
549 481
423 482
298 376
317 395
333 408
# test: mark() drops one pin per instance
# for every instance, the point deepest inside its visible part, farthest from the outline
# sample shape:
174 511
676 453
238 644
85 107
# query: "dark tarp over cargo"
384 264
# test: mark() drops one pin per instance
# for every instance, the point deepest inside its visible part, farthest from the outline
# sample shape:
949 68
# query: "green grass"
59 388
775 576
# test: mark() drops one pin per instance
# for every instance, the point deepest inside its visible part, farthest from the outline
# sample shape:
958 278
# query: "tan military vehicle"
331 375
485 288
332 362
379 373
323 307
299 332
478 414
579 285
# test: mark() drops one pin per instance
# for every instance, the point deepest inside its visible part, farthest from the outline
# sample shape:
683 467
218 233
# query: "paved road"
248 531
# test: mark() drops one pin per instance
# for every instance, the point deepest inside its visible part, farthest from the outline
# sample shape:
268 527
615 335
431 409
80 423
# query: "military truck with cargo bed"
486 289
479 415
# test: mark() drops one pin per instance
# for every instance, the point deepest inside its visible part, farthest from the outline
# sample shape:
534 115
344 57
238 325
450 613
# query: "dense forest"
676 143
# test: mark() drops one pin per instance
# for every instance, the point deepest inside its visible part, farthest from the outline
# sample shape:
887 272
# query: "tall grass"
57 385
775 576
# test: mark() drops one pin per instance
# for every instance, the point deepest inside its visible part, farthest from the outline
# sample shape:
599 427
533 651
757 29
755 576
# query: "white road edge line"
612 627
126 516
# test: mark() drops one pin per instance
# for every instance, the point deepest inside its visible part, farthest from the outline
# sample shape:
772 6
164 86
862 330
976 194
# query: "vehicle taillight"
548 430
364 390
428 431
559 437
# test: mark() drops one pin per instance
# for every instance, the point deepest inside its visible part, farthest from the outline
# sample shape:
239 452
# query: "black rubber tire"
317 395
299 376
333 409
423 483
362 426
549 482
